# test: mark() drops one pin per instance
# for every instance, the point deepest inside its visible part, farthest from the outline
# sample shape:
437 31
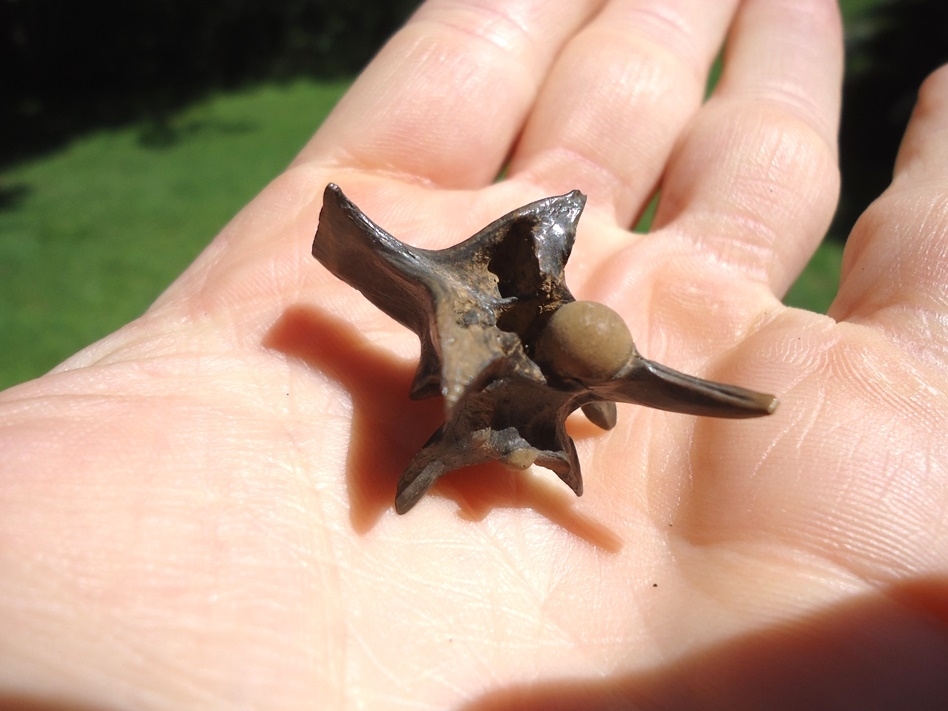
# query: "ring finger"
754 180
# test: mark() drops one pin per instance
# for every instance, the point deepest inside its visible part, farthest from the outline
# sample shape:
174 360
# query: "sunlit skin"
196 512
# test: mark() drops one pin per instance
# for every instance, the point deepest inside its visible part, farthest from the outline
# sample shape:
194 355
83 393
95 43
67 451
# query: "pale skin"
196 512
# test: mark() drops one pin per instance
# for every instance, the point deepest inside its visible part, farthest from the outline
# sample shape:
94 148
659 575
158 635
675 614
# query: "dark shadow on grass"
12 196
165 133
887 650
388 428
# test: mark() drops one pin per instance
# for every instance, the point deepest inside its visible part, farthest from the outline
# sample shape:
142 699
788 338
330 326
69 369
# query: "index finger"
446 97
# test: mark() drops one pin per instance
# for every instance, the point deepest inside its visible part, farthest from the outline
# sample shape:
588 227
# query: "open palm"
197 511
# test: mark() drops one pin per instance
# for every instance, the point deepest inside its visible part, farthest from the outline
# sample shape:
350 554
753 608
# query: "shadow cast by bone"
885 650
388 428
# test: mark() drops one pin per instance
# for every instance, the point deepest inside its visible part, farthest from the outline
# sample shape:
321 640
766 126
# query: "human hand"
196 511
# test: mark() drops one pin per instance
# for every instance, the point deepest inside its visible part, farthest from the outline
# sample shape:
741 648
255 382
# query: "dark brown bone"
479 309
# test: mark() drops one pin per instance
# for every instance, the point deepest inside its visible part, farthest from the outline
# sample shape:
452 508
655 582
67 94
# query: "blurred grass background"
93 229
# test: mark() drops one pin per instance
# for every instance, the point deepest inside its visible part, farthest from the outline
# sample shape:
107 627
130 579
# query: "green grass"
91 234
816 286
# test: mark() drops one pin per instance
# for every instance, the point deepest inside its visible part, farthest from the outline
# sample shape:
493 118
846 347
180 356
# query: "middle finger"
613 104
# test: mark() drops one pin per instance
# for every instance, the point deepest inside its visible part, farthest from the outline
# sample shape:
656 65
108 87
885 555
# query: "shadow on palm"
885 649
388 427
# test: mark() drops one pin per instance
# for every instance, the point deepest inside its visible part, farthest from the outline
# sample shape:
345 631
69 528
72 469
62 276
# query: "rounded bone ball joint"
585 340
